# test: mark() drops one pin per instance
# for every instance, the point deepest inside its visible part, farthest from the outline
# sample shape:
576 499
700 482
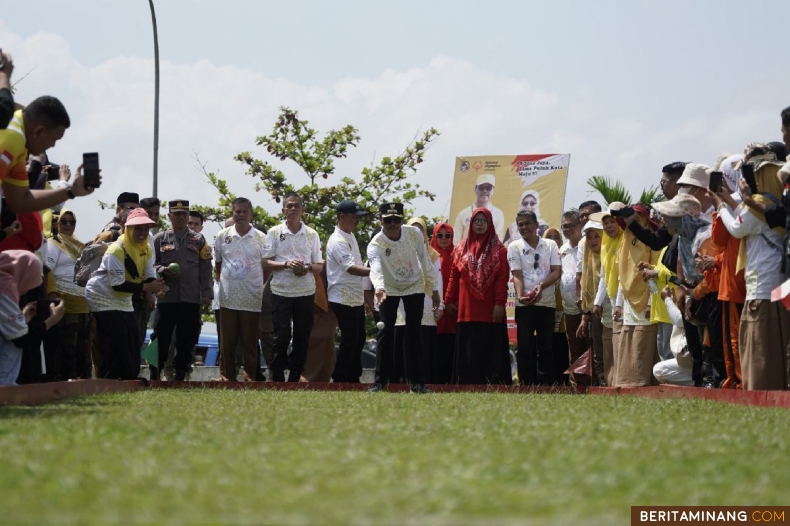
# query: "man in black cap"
346 274
399 269
183 258
126 201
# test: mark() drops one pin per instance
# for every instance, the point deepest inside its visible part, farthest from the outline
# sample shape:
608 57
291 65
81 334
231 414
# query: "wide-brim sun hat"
598 217
695 174
138 217
679 206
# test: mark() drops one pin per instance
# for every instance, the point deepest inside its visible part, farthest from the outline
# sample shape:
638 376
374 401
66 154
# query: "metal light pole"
156 98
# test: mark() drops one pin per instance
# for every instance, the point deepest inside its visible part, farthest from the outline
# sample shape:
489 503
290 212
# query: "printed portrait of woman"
530 200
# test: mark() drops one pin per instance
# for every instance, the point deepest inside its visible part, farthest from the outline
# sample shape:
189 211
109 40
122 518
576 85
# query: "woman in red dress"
478 293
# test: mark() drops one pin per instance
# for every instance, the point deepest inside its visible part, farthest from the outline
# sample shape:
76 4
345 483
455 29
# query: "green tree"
293 139
614 190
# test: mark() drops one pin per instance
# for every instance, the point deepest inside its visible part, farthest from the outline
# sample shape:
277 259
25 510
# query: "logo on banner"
464 166
477 166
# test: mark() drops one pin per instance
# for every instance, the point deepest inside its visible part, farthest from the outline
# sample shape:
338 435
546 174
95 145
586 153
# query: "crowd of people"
677 291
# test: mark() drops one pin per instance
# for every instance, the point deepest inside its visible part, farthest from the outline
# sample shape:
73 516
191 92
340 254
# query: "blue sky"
624 87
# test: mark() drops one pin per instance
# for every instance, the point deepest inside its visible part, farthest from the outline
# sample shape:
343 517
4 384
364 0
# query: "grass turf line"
211 456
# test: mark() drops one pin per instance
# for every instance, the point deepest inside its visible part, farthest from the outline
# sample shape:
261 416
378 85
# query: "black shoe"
294 376
276 376
377 388
420 389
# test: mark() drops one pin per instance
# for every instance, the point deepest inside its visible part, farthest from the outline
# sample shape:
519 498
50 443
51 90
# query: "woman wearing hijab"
63 251
20 271
638 351
765 326
599 327
478 293
429 317
442 242
606 296
562 358
127 268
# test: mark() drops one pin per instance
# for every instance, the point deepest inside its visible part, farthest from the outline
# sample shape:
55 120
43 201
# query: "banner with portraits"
506 184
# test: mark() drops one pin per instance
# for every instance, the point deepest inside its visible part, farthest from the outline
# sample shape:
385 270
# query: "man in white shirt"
569 255
346 281
291 253
238 255
399 269
536 267
484 190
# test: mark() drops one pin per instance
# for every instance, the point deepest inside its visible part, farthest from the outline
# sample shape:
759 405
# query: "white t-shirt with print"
62 267
428 316
342 252
241 273
569 257
401 267
111 272
283 245
764 251
521 256
14 325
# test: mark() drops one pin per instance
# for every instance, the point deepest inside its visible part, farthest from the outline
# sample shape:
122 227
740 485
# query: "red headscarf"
445 254
478 255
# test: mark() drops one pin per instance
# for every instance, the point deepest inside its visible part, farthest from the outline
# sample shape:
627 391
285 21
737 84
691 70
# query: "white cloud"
217 111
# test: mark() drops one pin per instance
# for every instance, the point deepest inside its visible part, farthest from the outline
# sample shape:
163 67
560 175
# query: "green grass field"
252 457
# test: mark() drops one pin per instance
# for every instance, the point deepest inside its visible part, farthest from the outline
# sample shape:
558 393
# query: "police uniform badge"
227 240
387 252
282 237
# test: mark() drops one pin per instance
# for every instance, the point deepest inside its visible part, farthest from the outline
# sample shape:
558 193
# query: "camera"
623 212
53 172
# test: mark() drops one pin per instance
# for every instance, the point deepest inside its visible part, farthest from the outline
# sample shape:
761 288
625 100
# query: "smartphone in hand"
716 182
90 169
747 171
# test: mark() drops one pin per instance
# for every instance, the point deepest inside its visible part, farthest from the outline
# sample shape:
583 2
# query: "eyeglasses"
444 236
537 258
485 187
67 222
480 221
570 226
392 220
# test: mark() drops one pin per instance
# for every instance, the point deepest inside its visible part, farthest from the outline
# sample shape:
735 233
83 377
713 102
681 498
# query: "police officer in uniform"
190 286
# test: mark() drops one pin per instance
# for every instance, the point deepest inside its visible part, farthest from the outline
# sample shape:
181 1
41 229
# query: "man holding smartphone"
34 130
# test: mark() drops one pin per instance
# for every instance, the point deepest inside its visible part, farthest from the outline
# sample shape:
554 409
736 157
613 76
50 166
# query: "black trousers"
351 321
185 319
118 335
714 372
444 354
413 305
535 333
285 310
694 338
74 357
